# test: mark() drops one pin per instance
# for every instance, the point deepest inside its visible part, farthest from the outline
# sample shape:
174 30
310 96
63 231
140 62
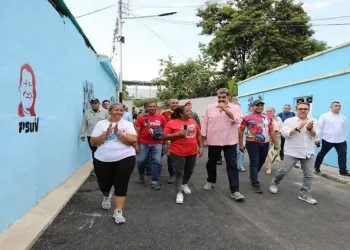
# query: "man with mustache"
220 133
27 89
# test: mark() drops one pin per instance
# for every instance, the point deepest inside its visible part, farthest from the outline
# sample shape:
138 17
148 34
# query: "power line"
166 7
96 11
189 23
162 39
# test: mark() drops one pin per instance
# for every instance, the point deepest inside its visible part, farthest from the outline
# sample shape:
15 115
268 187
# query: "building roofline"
107 66
304 59
138 83
334 74
62 8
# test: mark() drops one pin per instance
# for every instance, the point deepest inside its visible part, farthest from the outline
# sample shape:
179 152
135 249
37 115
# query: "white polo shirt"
333 127
300 145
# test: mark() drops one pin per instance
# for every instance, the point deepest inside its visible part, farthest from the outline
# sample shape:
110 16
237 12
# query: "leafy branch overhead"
250 37
191 79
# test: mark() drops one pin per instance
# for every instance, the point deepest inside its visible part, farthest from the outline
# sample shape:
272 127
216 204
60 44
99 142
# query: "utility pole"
121 41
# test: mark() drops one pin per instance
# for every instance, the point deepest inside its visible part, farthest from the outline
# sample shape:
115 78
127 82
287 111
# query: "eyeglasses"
303 109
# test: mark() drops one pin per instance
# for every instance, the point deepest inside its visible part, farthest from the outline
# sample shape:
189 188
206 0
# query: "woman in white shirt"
115 158
272 154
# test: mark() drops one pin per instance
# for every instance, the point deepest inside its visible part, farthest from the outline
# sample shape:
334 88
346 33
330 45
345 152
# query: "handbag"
156 133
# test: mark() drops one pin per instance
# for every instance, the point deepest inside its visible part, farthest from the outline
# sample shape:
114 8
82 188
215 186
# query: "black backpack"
156 133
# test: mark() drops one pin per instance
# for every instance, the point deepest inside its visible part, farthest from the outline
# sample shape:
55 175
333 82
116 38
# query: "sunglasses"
305 109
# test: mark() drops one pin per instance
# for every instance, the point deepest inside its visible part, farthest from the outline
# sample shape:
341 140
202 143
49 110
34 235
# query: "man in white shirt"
333 132
300 133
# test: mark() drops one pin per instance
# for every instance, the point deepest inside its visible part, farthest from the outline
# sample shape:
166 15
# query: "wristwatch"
296 129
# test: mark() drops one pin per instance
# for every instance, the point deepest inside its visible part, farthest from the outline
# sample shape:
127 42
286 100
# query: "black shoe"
317 171
219 162
345 174
256 189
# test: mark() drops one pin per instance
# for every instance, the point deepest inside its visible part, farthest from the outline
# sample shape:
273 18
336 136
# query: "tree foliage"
125 93
139 103
252 36
191 79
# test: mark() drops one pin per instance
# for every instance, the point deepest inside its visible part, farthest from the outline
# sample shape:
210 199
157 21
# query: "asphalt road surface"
207 219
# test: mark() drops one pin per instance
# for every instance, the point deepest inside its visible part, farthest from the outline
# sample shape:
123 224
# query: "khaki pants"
272 154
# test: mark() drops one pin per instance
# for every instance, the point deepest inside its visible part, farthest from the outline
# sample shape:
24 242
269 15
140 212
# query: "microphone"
185 128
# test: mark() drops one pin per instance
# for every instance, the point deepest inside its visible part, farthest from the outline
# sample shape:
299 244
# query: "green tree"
252 36
191 79
125 93
139 103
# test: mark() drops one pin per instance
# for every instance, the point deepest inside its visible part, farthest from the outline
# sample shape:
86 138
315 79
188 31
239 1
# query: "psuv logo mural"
29 122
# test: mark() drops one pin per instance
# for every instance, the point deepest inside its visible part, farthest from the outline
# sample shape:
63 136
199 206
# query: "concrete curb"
334 178
22 234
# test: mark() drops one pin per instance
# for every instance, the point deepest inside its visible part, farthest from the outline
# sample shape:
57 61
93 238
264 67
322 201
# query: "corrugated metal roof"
62 8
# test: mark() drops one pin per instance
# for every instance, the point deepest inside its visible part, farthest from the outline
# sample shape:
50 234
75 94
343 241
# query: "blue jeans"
240 159
257 155
155 150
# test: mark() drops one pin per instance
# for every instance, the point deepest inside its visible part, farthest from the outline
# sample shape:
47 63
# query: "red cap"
188 103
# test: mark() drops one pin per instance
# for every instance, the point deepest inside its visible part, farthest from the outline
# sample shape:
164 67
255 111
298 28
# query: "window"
307 99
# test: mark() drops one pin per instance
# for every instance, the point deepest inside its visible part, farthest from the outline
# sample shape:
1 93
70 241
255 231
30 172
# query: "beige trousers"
272 154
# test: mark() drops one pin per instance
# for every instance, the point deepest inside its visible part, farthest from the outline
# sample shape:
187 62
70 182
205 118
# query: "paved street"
207 220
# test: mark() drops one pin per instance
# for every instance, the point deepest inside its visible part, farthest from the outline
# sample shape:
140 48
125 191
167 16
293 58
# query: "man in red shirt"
173 104
147 145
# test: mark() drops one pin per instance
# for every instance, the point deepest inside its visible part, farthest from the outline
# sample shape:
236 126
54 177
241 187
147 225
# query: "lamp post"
121 40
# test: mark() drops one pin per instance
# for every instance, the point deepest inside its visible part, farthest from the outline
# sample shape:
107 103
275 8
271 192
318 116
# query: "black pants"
184 166
93 149
341 149
115 174
230 154
282 148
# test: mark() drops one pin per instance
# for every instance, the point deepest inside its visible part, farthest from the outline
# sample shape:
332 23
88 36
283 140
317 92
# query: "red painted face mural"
27 90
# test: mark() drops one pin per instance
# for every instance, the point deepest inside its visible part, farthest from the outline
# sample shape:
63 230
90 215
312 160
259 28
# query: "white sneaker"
307 198
106 202
273 188
179 198
268 171
209 186
186 189
237 196
118 216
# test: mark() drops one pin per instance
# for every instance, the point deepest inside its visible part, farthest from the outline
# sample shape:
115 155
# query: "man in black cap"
259 127
90 118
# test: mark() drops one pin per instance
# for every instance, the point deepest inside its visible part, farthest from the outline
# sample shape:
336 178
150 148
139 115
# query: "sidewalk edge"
22 234
334 178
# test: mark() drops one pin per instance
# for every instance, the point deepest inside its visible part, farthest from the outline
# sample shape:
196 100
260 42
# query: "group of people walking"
178 133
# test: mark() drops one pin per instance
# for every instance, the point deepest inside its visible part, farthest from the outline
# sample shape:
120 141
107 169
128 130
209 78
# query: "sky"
148 40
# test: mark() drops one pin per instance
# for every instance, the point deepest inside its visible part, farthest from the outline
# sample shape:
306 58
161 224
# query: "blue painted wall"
323 91
324 64
33 164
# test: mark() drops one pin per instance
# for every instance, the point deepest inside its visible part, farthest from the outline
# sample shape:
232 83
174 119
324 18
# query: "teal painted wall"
34 163
323 91
333 61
